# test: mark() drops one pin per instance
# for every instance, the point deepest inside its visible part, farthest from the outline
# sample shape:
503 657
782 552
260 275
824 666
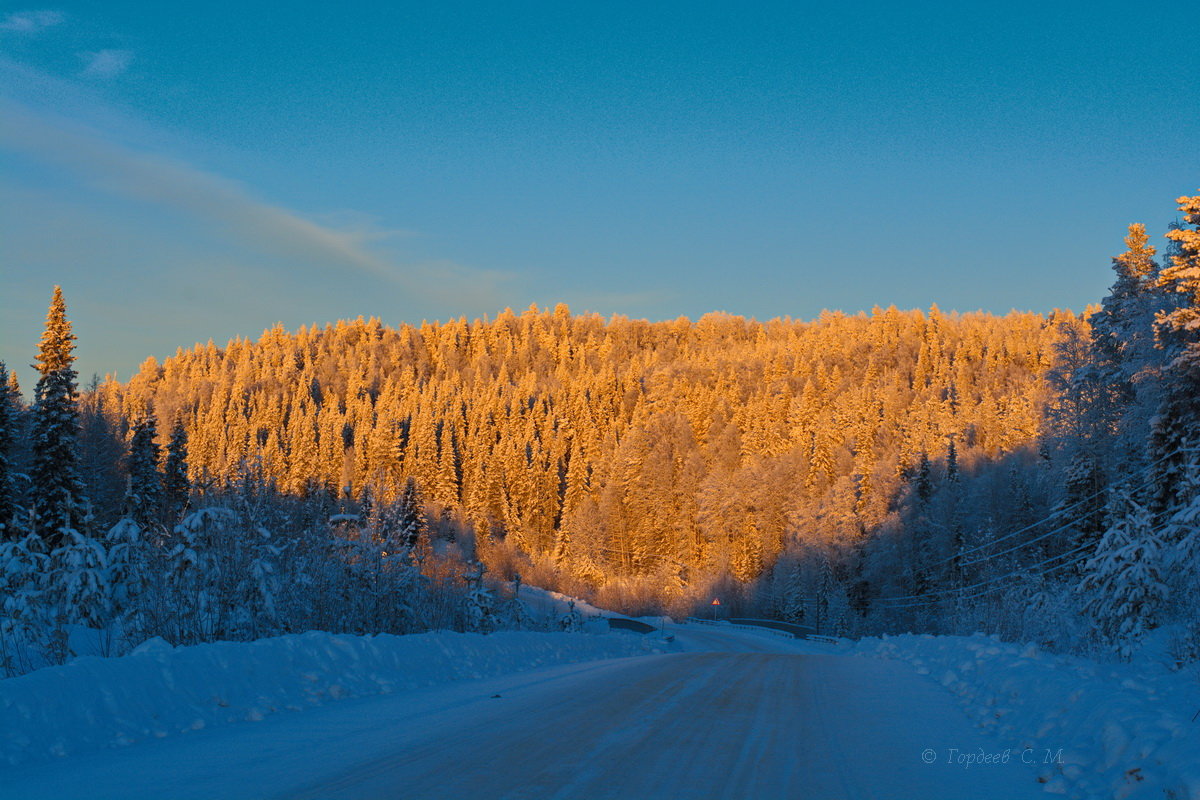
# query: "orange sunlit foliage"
676 450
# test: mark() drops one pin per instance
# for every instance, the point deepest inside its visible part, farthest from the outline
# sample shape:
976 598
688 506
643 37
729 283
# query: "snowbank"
159 690
1124 731
553 604
544 601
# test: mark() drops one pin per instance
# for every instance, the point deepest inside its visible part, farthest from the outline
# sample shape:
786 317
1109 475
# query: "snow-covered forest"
162 557
1033 476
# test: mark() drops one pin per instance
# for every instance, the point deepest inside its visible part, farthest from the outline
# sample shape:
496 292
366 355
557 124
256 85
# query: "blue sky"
208 173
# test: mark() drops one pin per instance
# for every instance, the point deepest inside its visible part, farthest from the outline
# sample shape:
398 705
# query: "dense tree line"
1032 475
1088 536
650 461
105 542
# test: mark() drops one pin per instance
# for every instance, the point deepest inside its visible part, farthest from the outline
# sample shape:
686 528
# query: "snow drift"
1124 730
159 690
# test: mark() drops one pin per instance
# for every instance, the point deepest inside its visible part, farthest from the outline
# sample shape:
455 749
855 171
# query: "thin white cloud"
106 64
31 21
163 181
218 202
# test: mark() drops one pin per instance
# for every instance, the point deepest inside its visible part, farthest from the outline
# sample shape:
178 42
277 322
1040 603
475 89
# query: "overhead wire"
939 595
957 593
1052 515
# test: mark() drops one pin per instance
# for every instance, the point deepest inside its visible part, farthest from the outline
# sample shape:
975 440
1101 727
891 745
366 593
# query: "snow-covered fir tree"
175 484
1181 537
25 618
1123 334
410 515
57 502
1122 587
838 610
1084 500
8 424
73 589
515 609
145 488
479 605
793 601
1172 450
1182 276
78 586
1175 438
826 585
198 574
572 620
131 576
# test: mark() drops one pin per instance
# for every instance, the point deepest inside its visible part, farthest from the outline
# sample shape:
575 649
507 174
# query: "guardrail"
799 631
637 626
816 637
777 627
759 628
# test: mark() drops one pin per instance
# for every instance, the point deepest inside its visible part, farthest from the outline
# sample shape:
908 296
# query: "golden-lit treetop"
606 444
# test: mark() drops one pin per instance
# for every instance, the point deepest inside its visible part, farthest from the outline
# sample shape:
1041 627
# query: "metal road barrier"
637 626
774 626
742 625
798 631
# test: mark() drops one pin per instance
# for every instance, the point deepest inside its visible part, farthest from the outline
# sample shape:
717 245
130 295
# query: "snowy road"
739 715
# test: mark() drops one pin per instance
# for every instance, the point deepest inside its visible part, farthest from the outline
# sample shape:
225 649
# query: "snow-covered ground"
1092 730
737 713
717 712
160 691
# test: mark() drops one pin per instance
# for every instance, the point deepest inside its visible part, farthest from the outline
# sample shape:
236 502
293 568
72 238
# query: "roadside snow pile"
1124 730
545 601
159 690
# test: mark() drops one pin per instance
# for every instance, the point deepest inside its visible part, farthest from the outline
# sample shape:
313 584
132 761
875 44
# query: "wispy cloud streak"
106 64
213 199
31 21
59 122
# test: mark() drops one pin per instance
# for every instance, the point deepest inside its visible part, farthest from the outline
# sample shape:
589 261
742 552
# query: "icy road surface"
739 715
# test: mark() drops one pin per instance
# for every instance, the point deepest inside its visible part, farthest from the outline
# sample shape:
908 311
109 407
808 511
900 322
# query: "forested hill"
677 450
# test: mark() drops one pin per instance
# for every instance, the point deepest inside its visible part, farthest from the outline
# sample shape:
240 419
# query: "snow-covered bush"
24 616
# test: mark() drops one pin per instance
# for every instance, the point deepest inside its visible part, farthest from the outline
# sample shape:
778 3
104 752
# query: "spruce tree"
825 587
1182 276
1181 533
1083 485
1123 588
922 483
102 449
794 600
1174 440
411 515
8 421
57 499
145 481
175 484
1122 324
1124 355
1176 430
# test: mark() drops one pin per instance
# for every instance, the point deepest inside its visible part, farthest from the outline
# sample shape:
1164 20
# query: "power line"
1054 514
937 596
933 598
1059 529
